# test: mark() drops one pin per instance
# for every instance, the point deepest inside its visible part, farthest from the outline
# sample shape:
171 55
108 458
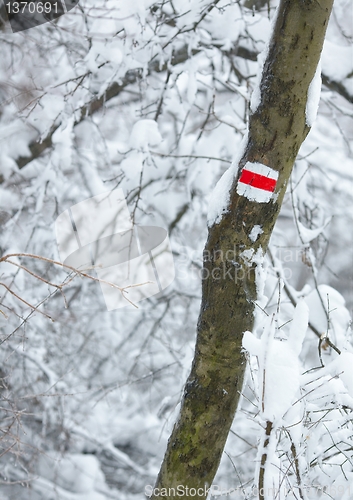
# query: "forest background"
154 98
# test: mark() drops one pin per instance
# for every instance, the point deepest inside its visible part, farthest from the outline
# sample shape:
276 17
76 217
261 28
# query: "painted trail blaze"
257 182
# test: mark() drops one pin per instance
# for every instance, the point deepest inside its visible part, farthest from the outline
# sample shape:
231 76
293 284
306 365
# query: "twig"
296 465
5 258
25 302
324 338
269 428
190 156
34 274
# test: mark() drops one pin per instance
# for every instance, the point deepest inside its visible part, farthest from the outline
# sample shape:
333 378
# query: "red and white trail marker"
257 182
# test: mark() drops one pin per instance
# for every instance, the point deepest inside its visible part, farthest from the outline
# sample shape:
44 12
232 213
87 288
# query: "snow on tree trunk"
249 196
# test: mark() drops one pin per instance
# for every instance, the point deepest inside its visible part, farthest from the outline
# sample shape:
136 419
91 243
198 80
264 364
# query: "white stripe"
253 193
261 169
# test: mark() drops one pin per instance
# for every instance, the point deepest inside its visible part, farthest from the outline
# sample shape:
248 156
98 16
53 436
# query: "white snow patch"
220 196
339 374
75 472
255 99
7 166
261 58
251 344
314 91
307 235
329 303
337 61
280 376
279 365
344 368
260 277
299 326
219 199
191 91
8 200
255 233
145 133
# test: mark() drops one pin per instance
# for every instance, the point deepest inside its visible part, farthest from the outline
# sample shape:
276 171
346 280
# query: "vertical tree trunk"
276 131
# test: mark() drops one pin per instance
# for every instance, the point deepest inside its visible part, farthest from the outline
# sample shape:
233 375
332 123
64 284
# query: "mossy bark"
276 132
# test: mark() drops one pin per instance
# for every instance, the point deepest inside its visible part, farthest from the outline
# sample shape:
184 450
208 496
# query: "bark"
276 132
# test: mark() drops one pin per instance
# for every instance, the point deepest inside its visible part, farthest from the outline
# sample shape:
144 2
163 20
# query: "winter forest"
152 101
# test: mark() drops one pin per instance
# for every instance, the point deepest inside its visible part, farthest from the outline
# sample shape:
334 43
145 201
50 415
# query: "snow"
328 313
102 51
145 133
313 100
225 25
337 60
191 88
273 482
7 166
249 258
279 366
307 235
256 94
46 488
92 382
345 369
335 379
251 344
279 382
261 58
77 473
219 199
255 232
281 372
298 326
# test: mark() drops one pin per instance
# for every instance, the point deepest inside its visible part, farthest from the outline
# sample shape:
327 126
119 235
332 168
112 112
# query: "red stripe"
258 180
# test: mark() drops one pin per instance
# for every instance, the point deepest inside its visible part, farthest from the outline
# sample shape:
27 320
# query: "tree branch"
38 148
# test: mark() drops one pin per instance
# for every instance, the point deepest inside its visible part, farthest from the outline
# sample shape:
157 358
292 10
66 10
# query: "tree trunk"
276 131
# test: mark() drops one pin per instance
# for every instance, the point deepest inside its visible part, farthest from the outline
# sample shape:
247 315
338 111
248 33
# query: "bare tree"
277 128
